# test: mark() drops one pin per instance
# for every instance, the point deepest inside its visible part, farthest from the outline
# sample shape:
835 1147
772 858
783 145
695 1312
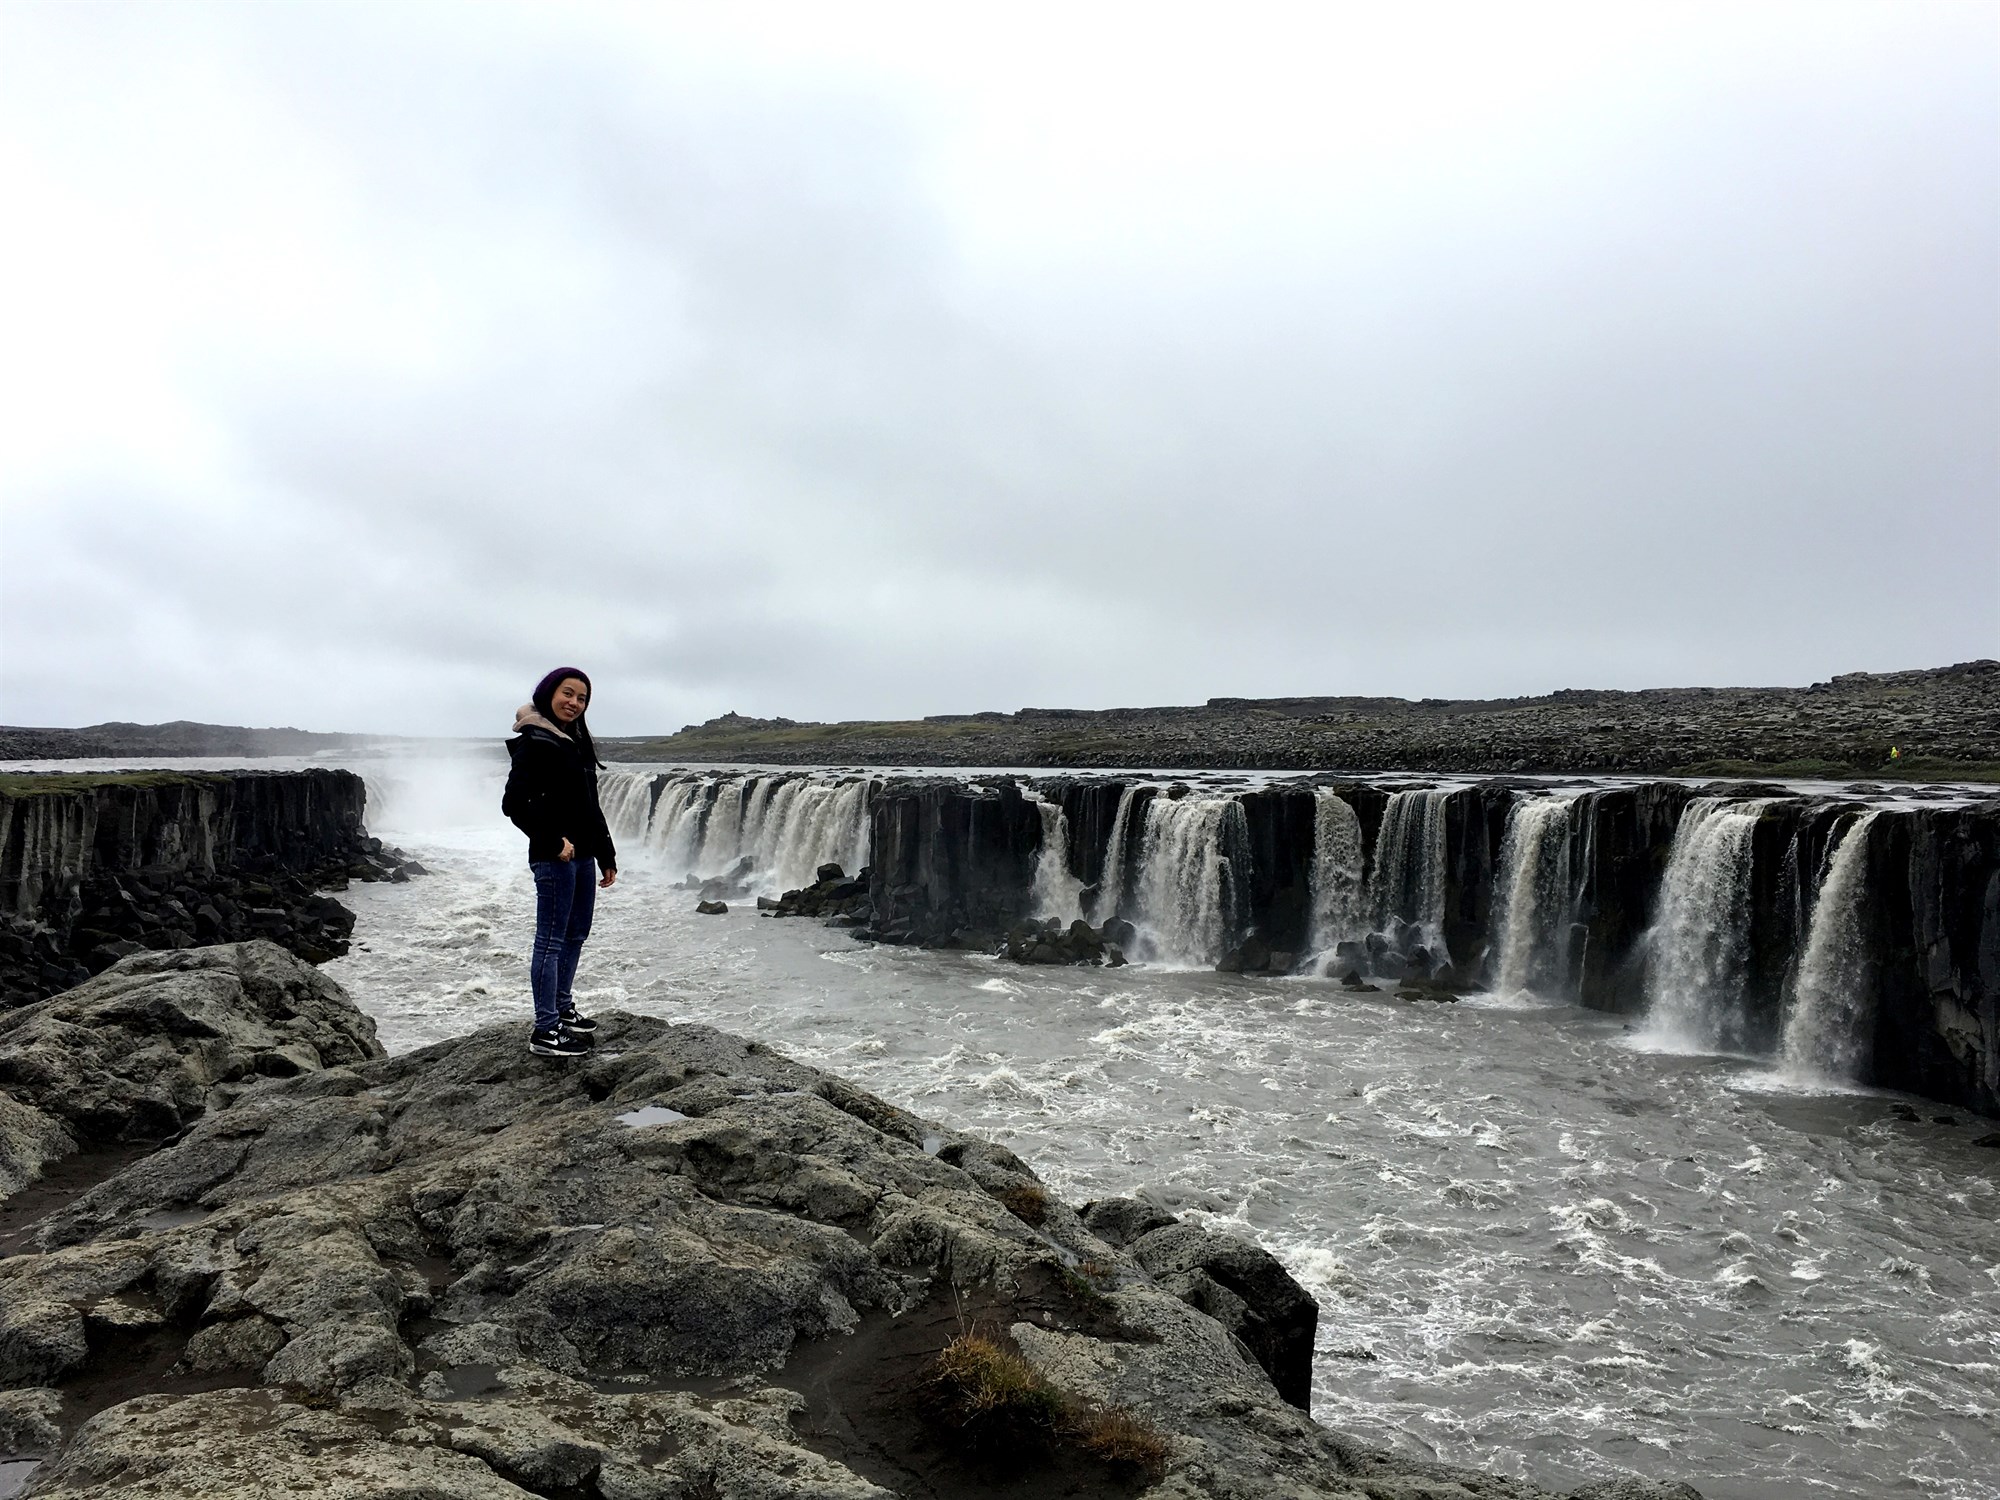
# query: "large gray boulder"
158 1039
683 1266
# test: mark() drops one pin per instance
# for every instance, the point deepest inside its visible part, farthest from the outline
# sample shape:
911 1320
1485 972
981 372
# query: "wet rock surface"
680 1267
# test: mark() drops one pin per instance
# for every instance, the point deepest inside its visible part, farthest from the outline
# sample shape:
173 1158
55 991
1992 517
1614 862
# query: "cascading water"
1111 885
786 825
1409 878
1189 894
1827 1029
1534 897
1056 892
1337 900
1698 948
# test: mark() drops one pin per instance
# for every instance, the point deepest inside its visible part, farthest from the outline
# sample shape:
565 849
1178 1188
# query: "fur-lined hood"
527 716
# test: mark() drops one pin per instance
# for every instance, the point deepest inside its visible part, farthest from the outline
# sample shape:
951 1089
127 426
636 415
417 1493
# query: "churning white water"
1697 950
1189 906
1827 1027
1409 878
1535 1250
1533 899
1056 893
1338 911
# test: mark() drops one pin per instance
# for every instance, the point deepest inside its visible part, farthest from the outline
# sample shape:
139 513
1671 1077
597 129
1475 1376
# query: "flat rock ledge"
683 1268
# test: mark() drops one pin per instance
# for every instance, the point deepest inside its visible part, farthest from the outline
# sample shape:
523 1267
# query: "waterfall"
670 834
722 837
1827 1030
1410 862
627 800
1189 895
1111 884
1336 871
1532 909
1056 893
1698 948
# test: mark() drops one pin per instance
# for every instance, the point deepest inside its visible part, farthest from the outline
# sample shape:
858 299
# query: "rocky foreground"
242 1253
1945 724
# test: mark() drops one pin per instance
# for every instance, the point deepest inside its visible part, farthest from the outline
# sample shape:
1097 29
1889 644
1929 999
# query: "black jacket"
552 795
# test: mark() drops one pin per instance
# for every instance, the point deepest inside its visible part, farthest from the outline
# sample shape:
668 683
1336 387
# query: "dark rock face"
951 864
93 869
832 896
423 1274
1241 1285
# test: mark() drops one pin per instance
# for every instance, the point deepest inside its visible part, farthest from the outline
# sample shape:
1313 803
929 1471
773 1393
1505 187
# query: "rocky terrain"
117 741
95 867
1944 722
242 1253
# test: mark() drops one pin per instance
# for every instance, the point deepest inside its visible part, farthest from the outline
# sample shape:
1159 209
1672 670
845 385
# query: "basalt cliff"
242 1253
95 867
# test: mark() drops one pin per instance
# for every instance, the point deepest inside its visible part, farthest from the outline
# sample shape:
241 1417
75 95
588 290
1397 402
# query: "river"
1543 1242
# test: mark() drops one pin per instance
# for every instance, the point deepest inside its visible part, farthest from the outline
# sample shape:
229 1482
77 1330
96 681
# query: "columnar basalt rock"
95 867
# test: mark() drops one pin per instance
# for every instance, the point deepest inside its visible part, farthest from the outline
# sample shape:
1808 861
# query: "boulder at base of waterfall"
832 896
1049 942
712 908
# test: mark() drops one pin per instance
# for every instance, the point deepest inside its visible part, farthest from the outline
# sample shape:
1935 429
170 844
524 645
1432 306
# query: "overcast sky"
358 363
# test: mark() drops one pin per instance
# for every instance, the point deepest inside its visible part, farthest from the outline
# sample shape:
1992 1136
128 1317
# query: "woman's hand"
568 851
610 879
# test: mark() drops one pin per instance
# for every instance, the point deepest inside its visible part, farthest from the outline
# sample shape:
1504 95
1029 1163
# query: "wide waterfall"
1337 906
1532 904
705 825
1698 948
1057 893
1409 879
1833 1007
1189 906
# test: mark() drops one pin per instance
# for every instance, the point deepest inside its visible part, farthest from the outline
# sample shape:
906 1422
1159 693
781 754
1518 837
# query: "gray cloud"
695 361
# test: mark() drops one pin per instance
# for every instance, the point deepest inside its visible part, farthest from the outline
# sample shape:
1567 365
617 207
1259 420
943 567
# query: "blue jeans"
565 899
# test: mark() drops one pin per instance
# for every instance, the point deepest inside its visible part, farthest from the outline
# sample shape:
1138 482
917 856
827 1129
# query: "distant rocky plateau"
116 741
243 1254
1943 723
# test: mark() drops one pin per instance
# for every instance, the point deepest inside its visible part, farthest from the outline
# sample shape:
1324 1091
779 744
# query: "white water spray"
1827 1030
1410 862
1111 884
1188 901
1056 892
1337 902
1698 947
1532 911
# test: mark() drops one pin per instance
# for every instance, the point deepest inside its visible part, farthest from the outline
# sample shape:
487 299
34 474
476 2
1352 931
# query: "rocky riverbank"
1944 722
96 867
682 1267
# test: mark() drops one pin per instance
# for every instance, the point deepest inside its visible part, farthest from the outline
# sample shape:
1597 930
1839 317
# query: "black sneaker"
557 1043
573 1021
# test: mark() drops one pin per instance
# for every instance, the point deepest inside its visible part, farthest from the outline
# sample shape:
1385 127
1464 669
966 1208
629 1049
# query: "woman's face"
570 700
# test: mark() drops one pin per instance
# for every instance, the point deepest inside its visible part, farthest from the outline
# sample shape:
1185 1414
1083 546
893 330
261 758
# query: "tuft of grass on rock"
1026 1201
1124 1441
991 1397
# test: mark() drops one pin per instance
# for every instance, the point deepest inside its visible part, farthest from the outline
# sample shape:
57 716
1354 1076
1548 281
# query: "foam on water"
1535 1249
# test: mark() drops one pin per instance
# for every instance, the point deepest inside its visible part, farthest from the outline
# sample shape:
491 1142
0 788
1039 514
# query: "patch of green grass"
47 783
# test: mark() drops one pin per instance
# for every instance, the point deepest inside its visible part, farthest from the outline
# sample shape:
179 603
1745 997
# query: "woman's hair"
544 701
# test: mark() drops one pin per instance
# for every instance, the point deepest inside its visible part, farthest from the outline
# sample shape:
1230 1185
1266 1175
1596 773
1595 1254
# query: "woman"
552 798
